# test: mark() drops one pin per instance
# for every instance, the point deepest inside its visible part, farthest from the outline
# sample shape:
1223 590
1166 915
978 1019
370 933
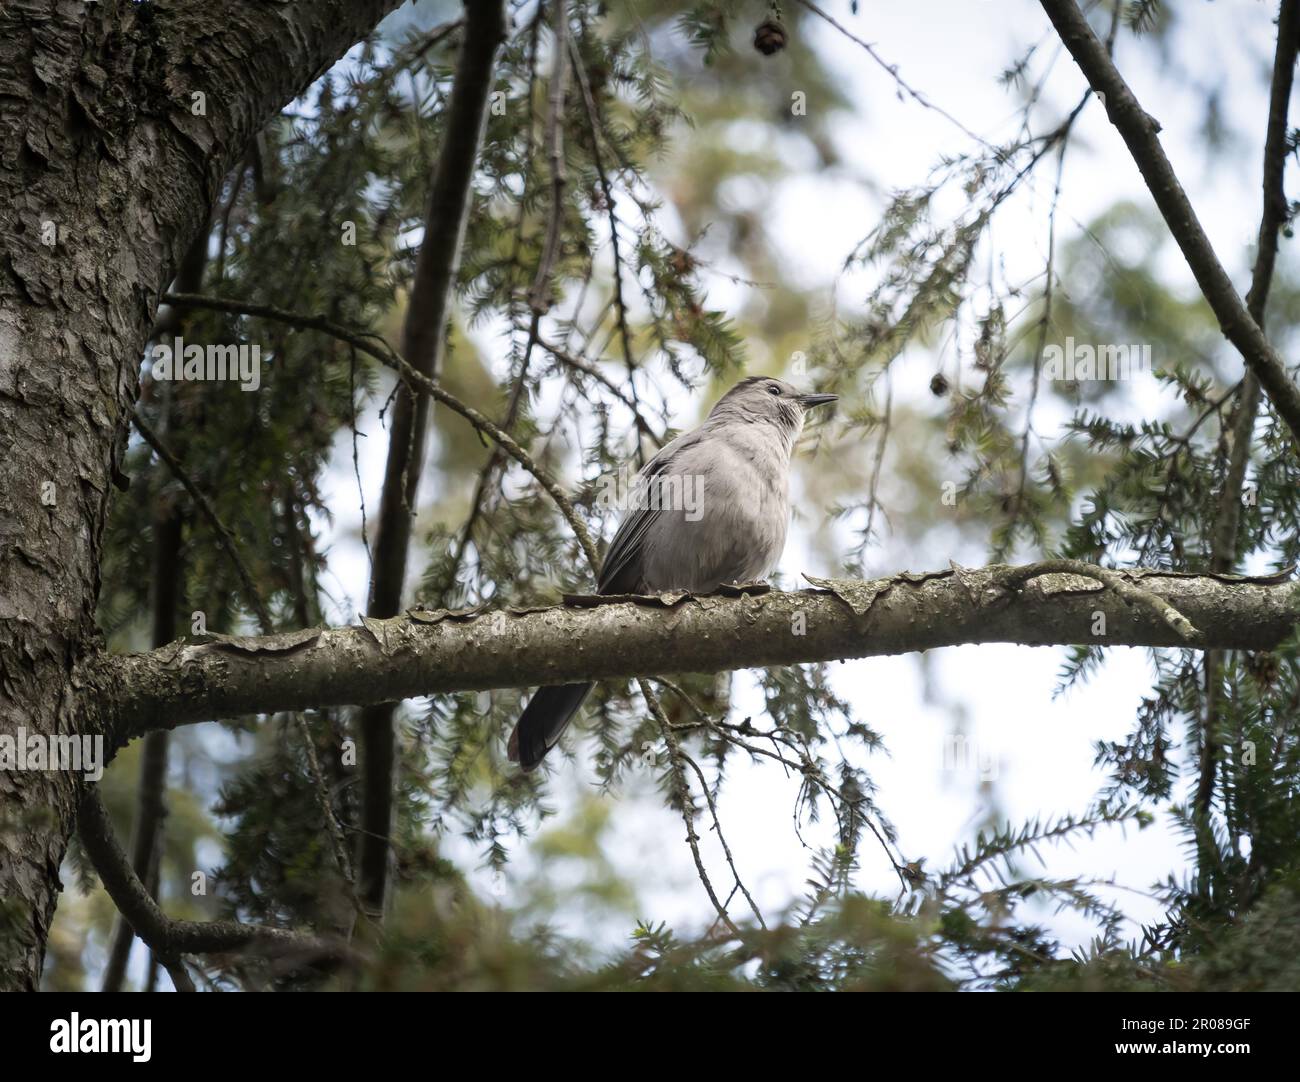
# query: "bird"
711 508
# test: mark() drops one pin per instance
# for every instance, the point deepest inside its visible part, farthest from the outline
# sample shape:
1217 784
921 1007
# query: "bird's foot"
740 589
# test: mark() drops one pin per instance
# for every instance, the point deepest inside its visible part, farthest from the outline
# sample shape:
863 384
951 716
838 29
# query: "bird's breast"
731 522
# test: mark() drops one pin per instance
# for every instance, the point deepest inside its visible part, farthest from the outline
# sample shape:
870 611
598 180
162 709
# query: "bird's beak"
810 400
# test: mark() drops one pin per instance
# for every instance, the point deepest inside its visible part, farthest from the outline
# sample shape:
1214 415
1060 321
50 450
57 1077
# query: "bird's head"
765 399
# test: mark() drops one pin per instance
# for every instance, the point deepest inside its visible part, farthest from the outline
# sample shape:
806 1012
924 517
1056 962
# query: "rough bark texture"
106 173
421 653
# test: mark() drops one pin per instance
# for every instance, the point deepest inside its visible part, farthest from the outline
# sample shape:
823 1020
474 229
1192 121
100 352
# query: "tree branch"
372 345
423 335
1227 519
171 938
421 653
1139 131
540 295
252 596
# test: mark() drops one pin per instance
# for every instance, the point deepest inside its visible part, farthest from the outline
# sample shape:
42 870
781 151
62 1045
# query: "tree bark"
117 122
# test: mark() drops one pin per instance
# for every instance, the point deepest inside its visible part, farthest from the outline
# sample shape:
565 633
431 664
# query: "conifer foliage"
582 336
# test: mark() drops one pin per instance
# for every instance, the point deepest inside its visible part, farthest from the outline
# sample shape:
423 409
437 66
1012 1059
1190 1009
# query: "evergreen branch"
374 346
224 537
170 938
1227 520
1140 133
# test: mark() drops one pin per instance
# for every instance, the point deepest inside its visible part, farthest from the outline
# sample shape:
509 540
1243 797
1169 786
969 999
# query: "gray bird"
711 508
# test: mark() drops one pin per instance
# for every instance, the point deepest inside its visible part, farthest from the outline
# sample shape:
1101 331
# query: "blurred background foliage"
679 137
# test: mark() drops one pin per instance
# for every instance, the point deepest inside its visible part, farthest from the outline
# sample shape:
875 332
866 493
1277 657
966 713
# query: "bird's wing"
621 571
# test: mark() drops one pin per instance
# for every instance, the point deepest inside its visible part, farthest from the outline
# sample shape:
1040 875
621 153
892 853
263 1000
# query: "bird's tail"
542 722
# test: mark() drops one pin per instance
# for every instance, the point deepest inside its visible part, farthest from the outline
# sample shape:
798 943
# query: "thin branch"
1140 133
374 346
892 70
1227 521
570 360
1044 328
539 296
225 538
607 190
170 938
682 790
488 472
722 838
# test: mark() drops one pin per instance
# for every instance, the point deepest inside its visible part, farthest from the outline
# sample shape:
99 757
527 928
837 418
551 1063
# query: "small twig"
882 443
489 467
374 346
892 70
570 360
356 458
1115 580
683 793
717 826
224 537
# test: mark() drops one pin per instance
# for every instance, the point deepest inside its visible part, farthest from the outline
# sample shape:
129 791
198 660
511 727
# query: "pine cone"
770 37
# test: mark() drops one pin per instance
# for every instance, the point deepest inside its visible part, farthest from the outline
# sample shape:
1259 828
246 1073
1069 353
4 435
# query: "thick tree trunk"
117 121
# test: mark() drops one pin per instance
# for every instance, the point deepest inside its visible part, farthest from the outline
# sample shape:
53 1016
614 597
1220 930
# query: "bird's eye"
772 388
